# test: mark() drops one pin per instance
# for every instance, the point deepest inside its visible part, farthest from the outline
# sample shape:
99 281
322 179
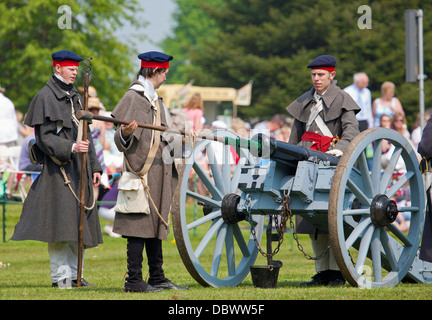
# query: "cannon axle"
383 211
229 209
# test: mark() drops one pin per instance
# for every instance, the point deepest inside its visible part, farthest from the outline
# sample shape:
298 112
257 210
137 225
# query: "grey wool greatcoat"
51 212
339 114
162 177
425 149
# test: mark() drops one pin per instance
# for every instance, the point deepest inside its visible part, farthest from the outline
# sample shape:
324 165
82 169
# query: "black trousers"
135 249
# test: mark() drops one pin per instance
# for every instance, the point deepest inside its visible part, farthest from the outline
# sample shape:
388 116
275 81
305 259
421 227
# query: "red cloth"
320 143
154 64
66 63
331 69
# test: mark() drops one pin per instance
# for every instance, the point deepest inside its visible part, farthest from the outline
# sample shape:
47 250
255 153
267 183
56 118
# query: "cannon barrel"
289 154
282 151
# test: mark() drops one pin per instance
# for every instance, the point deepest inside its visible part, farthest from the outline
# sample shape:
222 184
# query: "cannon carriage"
346 196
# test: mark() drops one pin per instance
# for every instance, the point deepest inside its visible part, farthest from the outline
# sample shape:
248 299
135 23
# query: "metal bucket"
265 276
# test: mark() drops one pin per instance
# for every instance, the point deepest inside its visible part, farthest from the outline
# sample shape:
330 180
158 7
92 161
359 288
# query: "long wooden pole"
83 186
235 142
87 115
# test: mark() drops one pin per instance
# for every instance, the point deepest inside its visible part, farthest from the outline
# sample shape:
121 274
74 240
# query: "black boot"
155 261
134 281
335 278
320 279
153 249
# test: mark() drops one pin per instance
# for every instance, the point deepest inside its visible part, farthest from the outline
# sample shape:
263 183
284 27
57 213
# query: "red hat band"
66 63
331 69
154 64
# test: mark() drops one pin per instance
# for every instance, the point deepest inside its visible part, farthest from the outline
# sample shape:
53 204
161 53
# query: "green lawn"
24 275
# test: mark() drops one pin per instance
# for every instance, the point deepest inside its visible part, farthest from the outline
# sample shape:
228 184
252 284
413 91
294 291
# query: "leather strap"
153 148
149 161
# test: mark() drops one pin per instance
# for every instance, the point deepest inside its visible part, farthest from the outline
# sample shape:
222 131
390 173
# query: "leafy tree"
272 41
31 30
194 25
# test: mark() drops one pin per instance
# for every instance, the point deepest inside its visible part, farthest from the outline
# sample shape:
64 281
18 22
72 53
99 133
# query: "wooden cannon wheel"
216 245
369 249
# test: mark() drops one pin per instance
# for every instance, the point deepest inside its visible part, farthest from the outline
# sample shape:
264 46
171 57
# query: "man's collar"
148 88
328 96
59 93
61 78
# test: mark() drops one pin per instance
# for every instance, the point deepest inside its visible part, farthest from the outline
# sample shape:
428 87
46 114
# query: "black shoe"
320 279
169 285
335 278
331 278
140 286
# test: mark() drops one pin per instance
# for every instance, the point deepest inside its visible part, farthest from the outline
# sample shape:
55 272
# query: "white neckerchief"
61 78
149 90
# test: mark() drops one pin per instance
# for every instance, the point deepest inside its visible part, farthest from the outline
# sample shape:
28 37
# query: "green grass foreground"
24 275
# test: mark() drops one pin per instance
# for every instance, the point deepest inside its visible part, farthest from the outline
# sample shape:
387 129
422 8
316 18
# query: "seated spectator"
271 127
398 123
24 163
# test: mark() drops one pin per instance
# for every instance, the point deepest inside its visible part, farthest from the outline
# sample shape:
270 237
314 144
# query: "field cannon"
346 196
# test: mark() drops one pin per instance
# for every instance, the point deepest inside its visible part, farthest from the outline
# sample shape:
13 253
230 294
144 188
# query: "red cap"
155 59
154 64
331 69
66 63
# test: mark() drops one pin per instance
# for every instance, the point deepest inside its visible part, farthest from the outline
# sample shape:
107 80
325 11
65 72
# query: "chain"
286 211
281 228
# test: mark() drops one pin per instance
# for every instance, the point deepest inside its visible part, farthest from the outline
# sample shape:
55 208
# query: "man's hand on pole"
82 146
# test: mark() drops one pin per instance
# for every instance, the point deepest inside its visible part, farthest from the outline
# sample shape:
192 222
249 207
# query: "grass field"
24 275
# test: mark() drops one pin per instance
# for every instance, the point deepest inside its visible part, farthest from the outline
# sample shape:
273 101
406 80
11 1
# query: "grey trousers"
319 245
63 260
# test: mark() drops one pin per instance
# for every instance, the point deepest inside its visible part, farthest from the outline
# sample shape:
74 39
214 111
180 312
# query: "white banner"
244 94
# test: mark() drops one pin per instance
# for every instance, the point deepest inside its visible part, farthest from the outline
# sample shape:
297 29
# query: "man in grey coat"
141 104
324 120
425 149
51 210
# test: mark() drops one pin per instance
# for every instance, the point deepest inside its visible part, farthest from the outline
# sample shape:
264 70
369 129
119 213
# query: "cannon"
346 196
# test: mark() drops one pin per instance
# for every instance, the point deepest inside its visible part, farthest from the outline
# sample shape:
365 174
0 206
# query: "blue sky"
158 14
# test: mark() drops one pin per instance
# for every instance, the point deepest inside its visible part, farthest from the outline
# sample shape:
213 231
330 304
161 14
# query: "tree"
194 25
272 41
31 30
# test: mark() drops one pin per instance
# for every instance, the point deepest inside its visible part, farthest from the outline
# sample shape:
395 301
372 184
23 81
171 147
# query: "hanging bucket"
265 276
